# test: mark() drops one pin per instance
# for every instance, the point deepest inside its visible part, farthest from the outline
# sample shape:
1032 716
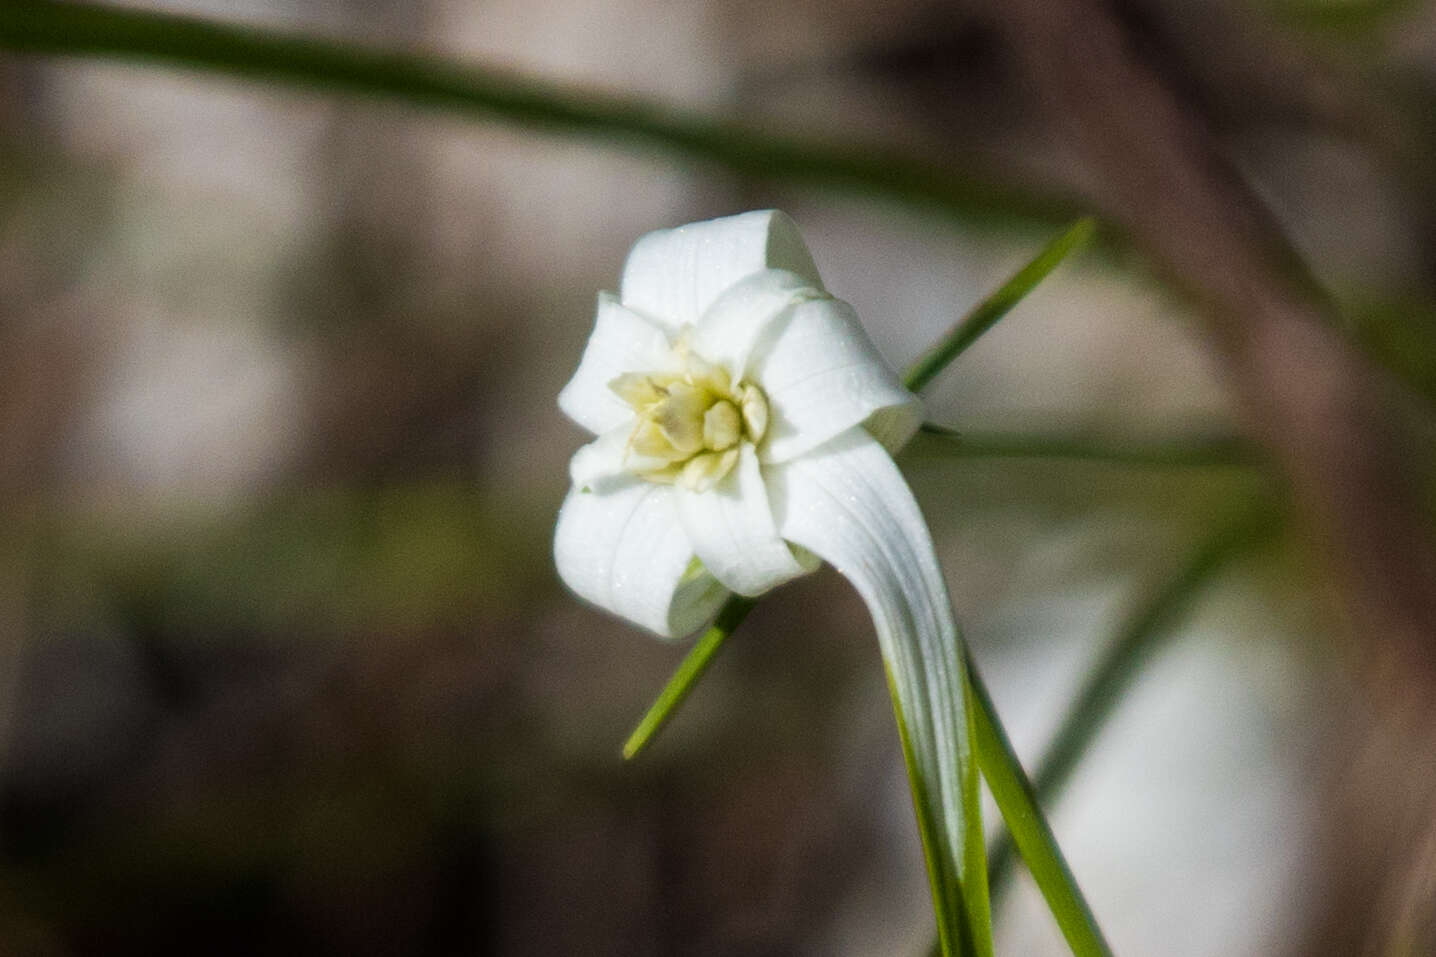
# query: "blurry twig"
1334 422
1326 413
41 26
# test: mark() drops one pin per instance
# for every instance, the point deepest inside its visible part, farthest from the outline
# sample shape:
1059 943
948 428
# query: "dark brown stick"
1329 417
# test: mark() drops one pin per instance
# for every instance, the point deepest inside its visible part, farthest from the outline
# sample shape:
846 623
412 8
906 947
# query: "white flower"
744 426
724 386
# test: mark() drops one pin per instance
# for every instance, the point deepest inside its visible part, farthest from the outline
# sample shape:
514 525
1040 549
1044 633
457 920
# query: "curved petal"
607 457
625 550
622 341
733 531
848 503
823 375
674 275
732 325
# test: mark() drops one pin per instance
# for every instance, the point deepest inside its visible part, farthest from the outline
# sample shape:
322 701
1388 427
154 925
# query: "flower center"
691 422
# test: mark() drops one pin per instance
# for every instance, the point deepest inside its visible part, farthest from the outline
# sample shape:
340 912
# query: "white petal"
731 327
674 275
622 341
733 531
625 550
823 375
848 503
606 457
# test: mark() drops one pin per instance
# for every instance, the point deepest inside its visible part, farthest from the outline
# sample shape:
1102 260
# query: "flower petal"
622 341
733 324
611 456
732 529
848 503
624 549
674 275
823 375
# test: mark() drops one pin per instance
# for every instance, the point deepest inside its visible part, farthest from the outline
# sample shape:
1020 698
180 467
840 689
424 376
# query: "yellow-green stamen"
692 422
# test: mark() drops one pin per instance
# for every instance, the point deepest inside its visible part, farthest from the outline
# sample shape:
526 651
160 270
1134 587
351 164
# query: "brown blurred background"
284 664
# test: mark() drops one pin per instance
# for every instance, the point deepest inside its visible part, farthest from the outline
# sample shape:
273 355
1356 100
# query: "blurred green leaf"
1345 19
964 906
335 560
1401 334
1214 451
41 26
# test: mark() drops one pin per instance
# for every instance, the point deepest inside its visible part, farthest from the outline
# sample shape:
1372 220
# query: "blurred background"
284 663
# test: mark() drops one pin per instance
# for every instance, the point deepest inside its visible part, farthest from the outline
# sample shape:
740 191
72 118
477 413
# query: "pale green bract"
744 429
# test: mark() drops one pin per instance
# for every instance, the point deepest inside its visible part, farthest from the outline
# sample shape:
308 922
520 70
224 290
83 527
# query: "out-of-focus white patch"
673 52
210 205
197 407
1186 825
565 206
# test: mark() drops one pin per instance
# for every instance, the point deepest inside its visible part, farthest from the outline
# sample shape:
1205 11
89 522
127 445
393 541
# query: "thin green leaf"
730 616
976 889
986 313
42 26
1028 827
1216 451
1135 645
955 903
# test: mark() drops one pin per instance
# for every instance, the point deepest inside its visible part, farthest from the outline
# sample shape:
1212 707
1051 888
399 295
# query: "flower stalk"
744 427
997 760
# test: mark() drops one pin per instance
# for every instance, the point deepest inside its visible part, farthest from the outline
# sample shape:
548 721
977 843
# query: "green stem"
1136 643
78 29
1025 822
730 616
986 313
954 925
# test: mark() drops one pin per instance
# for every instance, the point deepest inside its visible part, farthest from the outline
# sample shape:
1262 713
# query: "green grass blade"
1135 645
987 312
690 669
1215 451
1028 827
955 936
976 888
46 27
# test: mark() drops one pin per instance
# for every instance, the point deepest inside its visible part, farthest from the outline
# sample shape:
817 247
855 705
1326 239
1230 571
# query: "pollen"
691 421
